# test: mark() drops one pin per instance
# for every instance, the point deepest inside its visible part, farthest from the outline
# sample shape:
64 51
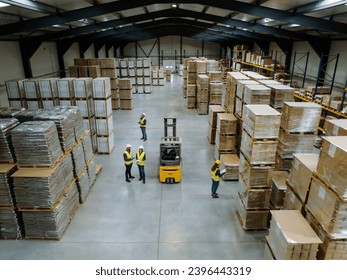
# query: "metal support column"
295 60
343 97
181 47
323 74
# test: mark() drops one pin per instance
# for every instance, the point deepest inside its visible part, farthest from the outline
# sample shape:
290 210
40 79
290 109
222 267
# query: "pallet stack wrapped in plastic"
299 181
278 189
225 135
257 159
212 122
143 75
125 94
215 87
44 187
94 70
280 94
32 94
81 68
291 237
11 224
201 90
299 126
49 92
327 200
335 127
85 102
15 93
7 153
185 77
191 84
66 91
231 89
103 114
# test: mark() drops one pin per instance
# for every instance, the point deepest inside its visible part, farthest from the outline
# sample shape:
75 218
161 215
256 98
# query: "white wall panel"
281 58
90 52
211 50
45 60
70 55
102 52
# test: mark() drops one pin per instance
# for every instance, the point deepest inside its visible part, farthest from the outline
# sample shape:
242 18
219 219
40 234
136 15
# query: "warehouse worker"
216 175
143 123
128 161
140 161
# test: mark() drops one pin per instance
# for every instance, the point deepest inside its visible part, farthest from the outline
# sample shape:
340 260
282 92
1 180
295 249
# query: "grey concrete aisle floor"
121 220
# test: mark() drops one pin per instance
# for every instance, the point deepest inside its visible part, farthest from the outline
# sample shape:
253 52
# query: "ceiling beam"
318 6
32 6
120 5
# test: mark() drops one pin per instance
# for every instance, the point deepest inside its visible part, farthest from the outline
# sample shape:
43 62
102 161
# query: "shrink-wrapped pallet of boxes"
212 121
291 237
225 136
257 158
299 126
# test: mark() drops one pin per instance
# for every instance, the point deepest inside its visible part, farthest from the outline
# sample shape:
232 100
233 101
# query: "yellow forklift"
170 154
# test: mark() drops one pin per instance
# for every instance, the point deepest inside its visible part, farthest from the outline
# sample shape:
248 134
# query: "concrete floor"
155 221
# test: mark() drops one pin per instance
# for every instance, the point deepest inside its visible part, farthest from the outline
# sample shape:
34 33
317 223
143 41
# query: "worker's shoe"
127 180
144 181
140 179
131 177
142 138
214 195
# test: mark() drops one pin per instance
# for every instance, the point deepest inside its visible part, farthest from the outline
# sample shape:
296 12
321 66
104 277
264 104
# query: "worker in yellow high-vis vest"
216 175
143 124
128 162
140 161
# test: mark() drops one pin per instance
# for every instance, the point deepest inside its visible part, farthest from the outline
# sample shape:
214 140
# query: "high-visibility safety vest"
142 122
214 176
129 157
140 158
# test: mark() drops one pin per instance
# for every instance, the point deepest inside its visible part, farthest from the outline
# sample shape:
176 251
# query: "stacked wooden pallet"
201 94
257 159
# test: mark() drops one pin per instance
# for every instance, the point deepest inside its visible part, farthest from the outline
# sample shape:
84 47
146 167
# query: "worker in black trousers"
143 123
128 162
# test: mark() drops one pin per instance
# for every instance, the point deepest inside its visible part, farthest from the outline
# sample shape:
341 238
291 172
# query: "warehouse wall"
273 48
70 55
44 62
339 47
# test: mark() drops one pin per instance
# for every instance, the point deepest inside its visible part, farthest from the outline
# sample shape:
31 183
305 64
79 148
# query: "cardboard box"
336 127
202 108
255 176
303 167
226 124
216 88
253 198
280 94
125 94
332 164
241 85
261 121
102 87
231 163
211 135
202 81
278 188
215 76
300 116
291 237
258 151
191 90
213 111
329 210
94 71
252 219
290 143
108 62
292 201
226 142
125 104
216 99
191 101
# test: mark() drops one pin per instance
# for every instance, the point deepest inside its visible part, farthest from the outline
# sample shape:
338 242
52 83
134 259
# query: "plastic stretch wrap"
83 186
40 187
6 184
36 143
78 159
74 113
9 112
51 224
7 153
10 224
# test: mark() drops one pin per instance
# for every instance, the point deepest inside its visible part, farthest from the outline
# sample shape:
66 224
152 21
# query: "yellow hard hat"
218 162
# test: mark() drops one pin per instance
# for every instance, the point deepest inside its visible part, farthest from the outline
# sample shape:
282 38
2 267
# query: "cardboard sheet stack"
7 153
185 77
278 189
125 94
45 192
28 115
231 89
280 94
257 158
215 87
299 125
15 93
201 93
225 136
11 226
327 199
240 95
291 237
299 181
191 83
212 122
103 114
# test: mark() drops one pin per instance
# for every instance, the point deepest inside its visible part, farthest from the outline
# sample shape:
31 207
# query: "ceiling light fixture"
3 5
174 5
268 19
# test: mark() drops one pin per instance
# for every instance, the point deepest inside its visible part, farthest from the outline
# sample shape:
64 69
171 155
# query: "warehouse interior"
165 45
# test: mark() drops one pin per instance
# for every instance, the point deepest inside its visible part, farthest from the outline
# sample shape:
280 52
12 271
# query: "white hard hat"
128 146
141 147
144 114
